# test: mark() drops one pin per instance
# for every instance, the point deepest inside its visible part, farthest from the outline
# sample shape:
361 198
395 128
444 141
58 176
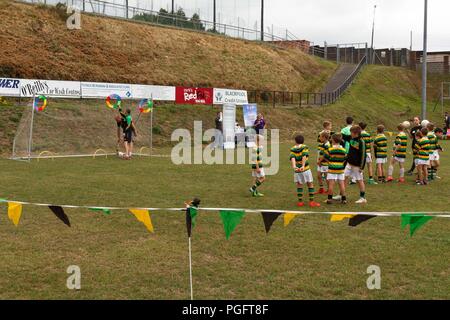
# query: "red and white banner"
184 95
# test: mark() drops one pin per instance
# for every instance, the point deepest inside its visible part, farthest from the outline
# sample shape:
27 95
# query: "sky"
334 21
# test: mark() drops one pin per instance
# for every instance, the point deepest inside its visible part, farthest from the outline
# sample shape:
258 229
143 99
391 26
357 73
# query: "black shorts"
128 136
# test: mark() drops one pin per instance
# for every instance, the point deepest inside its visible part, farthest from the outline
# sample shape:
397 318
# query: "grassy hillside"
37 44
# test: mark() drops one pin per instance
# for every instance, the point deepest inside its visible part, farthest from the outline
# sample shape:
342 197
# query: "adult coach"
346 134
260 124
218 139
412 134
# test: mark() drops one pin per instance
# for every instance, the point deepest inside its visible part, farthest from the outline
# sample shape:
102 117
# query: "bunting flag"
59 212
269 218
288 217
415 221
14 212
231 219
144 217
358 219
104 210
341 217
191 215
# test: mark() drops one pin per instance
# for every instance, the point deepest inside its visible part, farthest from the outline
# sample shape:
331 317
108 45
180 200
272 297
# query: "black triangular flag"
269 218
59 212
358 219
188 222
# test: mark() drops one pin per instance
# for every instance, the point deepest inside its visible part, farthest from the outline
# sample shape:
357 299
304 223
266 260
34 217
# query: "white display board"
103 90
229 126
161 93
228 96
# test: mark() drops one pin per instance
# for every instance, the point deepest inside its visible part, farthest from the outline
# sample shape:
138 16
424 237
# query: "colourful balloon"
145 106
116 104
40 103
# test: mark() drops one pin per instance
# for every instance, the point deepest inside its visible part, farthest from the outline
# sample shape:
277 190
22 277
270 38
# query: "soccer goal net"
76 128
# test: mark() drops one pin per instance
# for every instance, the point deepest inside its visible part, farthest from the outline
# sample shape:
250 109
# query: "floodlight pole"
262 20
372 60
424 62
214 15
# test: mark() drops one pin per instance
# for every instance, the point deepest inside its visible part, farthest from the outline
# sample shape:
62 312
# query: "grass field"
312 258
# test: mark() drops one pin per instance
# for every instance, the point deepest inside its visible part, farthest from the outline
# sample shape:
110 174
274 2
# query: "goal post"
76 128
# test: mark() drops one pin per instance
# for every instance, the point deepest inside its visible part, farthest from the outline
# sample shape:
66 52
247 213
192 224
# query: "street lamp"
372 59
424 62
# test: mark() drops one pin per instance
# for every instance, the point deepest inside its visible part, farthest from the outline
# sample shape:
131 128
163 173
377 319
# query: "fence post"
367 52
338 53
300 99
126 9
325 54
273 99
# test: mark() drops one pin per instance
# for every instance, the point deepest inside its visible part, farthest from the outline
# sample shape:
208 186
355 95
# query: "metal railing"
125 11
304 98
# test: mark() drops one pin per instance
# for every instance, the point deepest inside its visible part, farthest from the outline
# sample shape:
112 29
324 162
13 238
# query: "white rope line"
440 214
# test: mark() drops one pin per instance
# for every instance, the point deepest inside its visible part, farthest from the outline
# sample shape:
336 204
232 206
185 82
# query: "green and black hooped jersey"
432 138
380 146
424 149
367 138
323 147
297 153
336 157
257 158
400 144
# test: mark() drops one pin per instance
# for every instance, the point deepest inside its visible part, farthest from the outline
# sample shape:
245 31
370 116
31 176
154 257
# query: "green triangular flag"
415 221
3 200
230 220
105 211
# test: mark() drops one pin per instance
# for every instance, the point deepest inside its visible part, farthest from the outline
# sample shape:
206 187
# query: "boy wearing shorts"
322 163
336 157
440 136
424 156
299 157
434 153
356 160
257 168
399 154
367 137
380 147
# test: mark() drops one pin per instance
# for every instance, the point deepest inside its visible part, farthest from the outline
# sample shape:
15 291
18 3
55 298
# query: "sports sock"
344 198
256 185
402 172
390 171
362 194
300 194
311 194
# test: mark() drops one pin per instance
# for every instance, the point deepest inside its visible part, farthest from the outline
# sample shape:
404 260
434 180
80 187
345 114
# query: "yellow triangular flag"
144 217
288 217
14 212
340 217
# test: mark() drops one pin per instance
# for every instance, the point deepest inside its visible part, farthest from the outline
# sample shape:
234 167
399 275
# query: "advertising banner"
227 96
186 95
229 126
103 90
161 93
9 87
50 88
250 112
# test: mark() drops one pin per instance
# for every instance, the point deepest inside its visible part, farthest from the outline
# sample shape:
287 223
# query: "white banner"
103 90
227 96
161 93
9 87
50 88
229 126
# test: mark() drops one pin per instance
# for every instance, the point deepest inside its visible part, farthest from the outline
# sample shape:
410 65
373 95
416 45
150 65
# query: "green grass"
311 259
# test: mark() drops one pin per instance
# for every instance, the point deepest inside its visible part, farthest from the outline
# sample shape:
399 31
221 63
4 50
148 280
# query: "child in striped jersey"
257 168
322 163
367 138
439 136
399 154
434 152
380 147
424 156
299 157
336 157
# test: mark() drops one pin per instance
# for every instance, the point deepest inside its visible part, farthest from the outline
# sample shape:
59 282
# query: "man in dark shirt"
412 135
